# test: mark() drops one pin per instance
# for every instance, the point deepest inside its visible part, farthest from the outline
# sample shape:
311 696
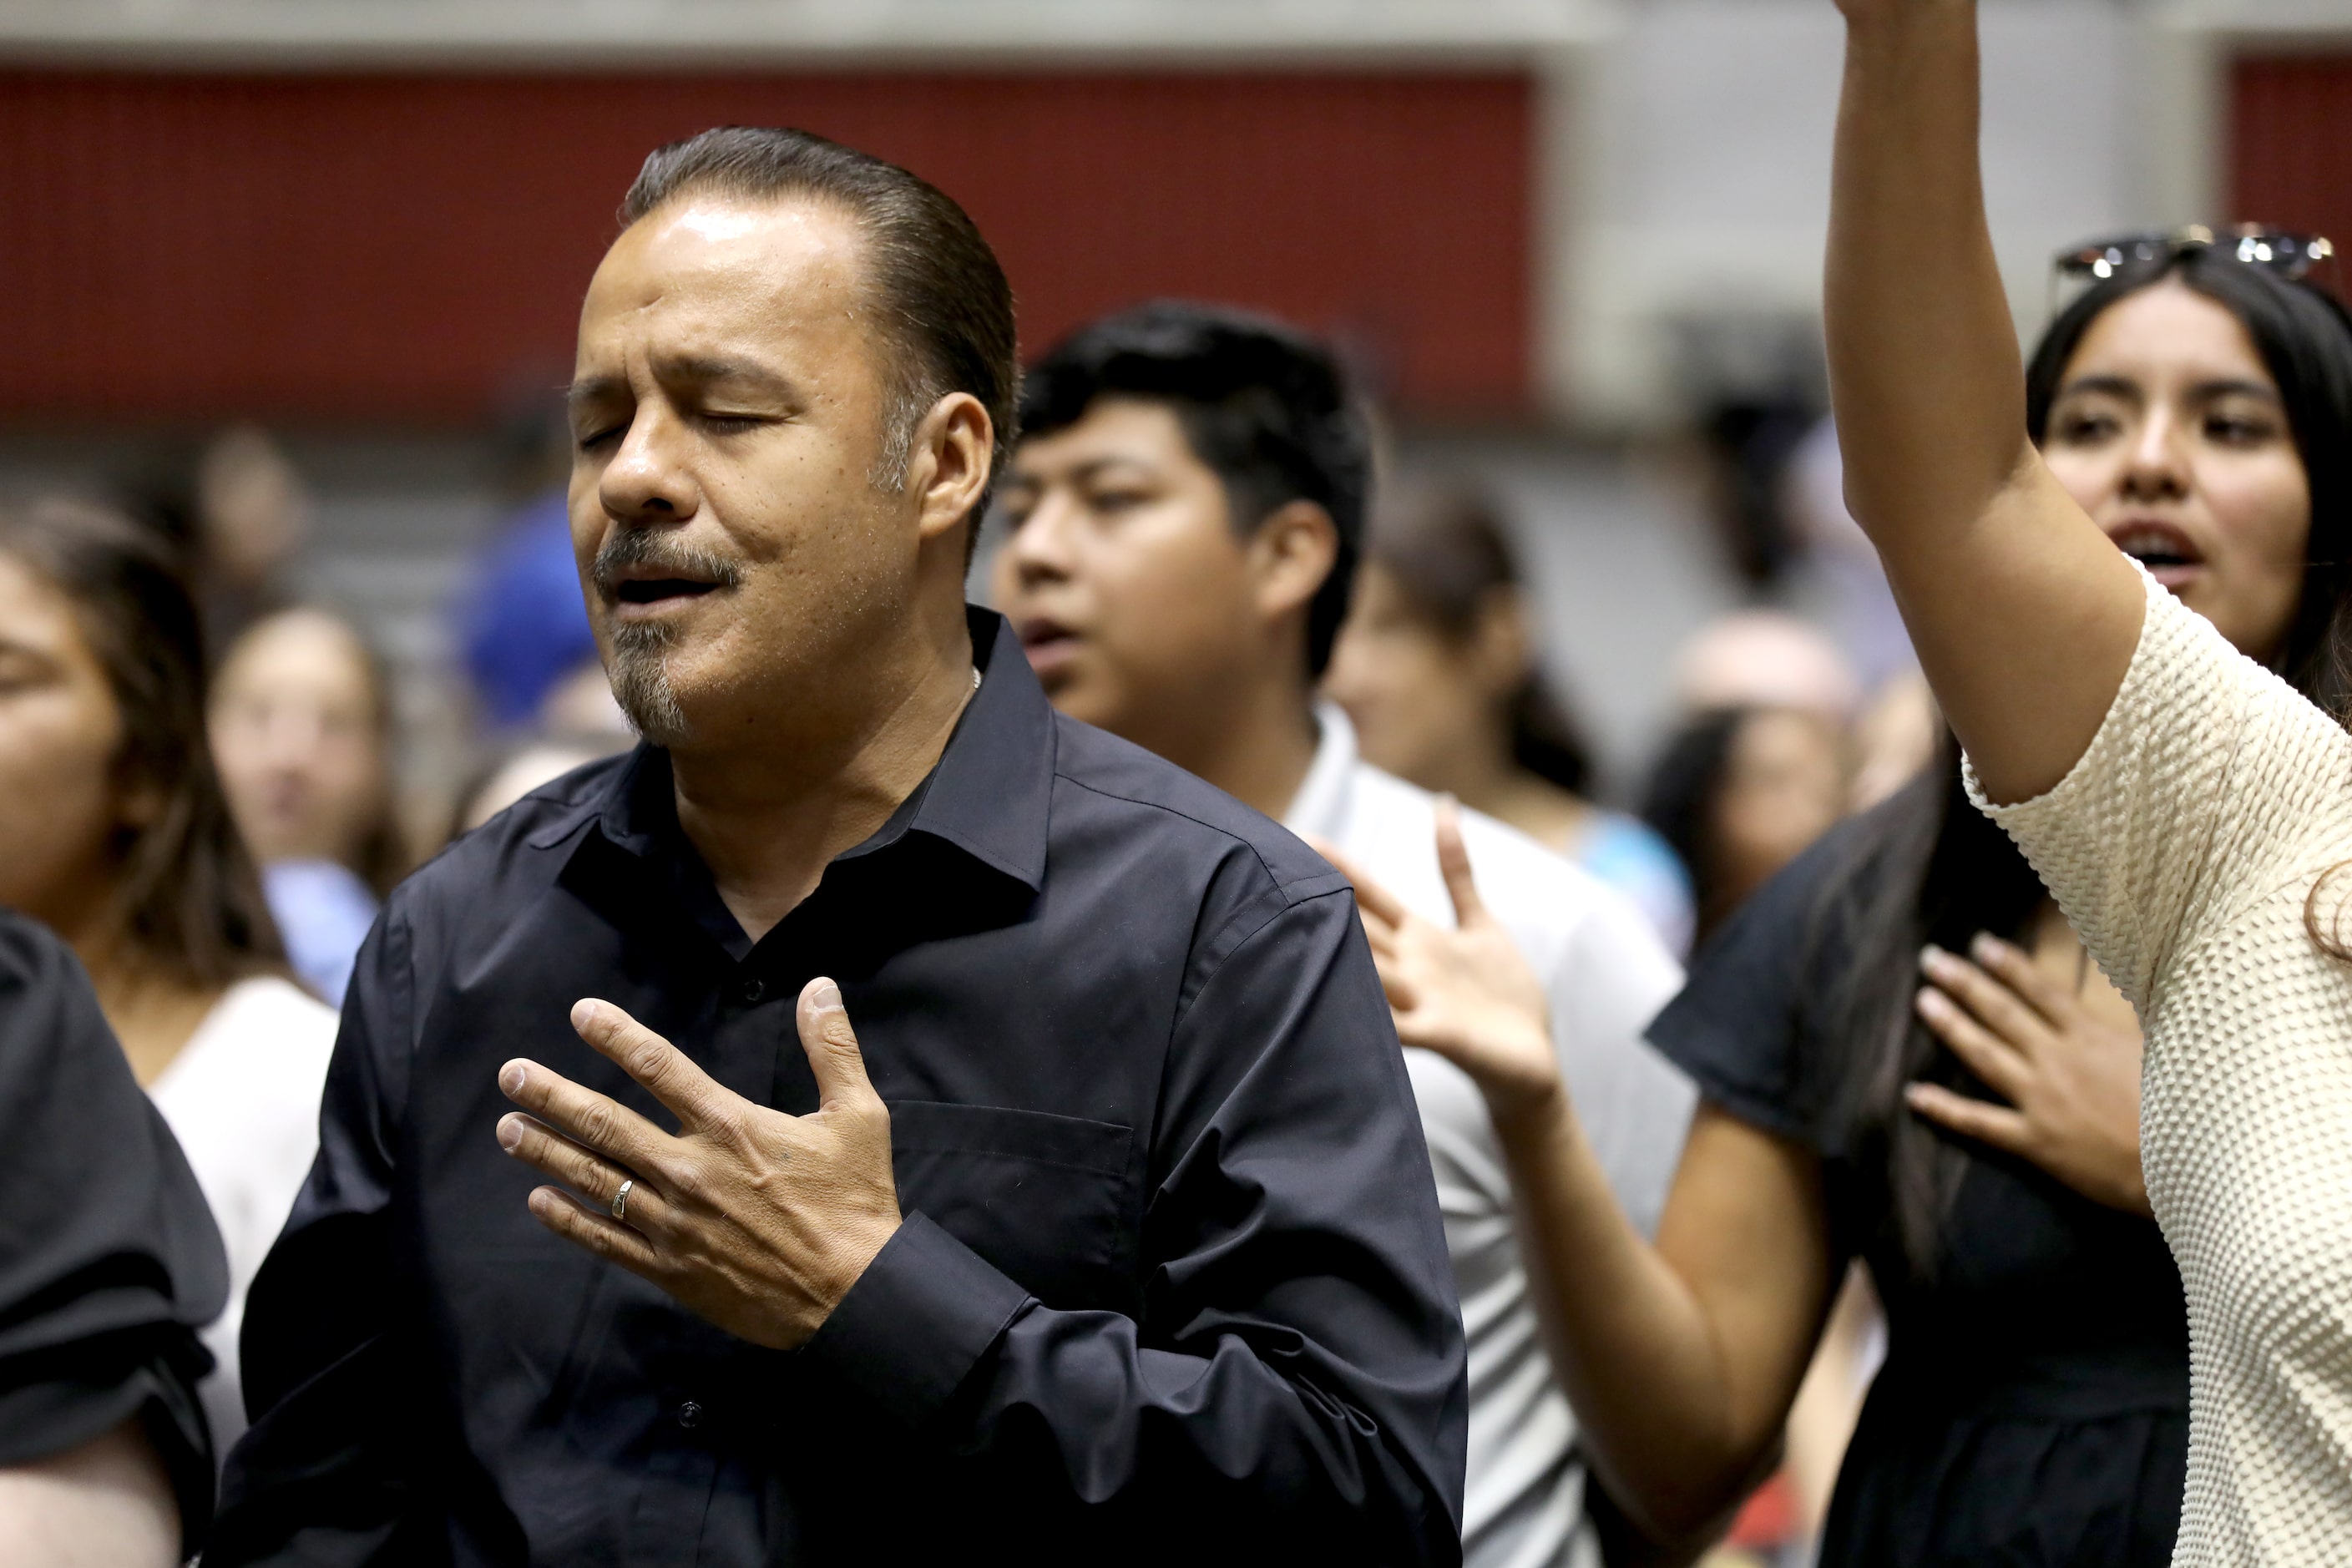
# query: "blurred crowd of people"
1876 1157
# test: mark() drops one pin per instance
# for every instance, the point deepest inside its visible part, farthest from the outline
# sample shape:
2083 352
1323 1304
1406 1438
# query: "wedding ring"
621 1200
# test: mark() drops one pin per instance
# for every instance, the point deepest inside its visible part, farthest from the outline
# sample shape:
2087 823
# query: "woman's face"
2170 432
1421 702
1784 785
296 737
60 728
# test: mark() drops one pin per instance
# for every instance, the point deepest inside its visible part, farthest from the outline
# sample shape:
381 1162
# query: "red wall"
400 248
2291 148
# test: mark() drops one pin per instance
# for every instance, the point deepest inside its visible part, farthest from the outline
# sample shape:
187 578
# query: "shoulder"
1171 819
527 841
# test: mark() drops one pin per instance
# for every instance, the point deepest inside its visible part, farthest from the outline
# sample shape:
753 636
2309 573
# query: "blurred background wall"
1574 243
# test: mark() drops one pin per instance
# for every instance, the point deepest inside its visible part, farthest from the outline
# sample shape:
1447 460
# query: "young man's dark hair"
944 306
1262 403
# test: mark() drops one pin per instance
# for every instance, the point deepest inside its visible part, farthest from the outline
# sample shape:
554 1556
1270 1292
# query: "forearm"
2024 617
1633 1345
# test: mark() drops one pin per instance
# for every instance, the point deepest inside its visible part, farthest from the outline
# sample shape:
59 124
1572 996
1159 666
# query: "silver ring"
621 1200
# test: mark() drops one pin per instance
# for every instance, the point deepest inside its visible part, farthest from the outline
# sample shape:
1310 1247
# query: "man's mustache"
646 547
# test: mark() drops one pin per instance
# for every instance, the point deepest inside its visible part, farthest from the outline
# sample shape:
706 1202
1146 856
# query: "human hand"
758 1221
2072 1080
1465 993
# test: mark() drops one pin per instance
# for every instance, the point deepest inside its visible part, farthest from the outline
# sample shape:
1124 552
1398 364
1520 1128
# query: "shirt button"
690 1414
754 989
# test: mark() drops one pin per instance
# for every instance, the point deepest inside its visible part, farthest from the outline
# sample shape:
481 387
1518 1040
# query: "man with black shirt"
977 1135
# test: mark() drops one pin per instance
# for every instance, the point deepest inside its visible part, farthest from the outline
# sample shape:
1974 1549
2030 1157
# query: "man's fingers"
1997 1125
595 1180
600 1233
601 1125
832 1046
1987 1054
1454 863
1993 1003
669 1074
1371 897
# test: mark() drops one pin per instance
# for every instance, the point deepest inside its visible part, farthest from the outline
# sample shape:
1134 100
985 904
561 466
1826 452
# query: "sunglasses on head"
2288 254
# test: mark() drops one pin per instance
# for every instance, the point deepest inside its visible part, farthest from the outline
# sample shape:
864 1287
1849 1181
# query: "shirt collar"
1321 806
988 795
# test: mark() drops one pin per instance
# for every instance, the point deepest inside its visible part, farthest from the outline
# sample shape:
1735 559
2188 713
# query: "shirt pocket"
1042 1197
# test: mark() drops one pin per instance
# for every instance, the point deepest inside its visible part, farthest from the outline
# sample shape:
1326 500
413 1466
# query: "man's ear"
947 462
1290 554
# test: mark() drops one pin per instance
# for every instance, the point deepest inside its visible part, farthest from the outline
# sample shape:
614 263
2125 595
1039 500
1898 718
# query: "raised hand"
758 1221
2072 1080
1465 993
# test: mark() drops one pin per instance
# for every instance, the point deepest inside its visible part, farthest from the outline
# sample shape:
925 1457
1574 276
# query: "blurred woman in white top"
114 832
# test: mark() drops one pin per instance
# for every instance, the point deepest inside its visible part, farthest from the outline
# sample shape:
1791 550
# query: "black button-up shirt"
1172 1281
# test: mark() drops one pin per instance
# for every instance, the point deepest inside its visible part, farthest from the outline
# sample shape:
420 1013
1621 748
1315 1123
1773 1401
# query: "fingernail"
511 1078
583 1012
1933 957
1929 999
509 1132
1986 946
823 994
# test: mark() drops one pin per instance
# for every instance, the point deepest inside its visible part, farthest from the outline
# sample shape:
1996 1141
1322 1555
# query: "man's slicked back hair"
943 304
1263 404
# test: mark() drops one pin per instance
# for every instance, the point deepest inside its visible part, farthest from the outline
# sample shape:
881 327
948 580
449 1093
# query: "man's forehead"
761 259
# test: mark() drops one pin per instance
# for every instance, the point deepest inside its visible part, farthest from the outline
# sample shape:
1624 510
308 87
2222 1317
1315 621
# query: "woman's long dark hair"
1443 543
1927 867
188 899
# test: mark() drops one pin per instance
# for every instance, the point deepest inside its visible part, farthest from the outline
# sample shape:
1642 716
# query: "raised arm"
2023 614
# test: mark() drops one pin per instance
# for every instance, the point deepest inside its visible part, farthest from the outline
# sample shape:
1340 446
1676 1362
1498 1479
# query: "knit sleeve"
2210 783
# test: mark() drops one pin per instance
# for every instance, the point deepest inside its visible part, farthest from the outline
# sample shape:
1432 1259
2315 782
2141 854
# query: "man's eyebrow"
590 389
704 369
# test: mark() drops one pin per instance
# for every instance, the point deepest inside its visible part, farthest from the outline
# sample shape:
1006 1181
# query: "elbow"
1674 1510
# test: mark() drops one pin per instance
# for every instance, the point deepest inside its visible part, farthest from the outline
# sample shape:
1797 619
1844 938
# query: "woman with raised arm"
2033 1408
2185 805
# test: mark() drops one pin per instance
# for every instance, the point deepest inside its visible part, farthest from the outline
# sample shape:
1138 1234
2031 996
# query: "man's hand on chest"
758 1221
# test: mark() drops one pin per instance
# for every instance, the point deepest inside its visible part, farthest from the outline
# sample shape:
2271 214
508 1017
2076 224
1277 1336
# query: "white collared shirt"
1607 974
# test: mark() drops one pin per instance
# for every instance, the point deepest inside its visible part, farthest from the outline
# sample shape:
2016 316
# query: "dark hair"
1449 556
1679 802
2305 339
1262 403
1927 866
188 900
945 307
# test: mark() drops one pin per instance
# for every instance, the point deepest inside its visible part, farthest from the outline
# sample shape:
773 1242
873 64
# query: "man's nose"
647 480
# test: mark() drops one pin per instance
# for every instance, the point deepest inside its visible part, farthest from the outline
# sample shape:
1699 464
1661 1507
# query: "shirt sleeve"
108 1257
2208 784
1739 1026
326 1473
1295 1378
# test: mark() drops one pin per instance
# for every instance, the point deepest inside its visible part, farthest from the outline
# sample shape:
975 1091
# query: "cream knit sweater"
2182 846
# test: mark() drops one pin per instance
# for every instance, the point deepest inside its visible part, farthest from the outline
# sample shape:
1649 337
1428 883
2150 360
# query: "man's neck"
1257 744
767 817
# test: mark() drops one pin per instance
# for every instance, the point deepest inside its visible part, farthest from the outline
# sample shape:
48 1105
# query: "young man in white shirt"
1187 504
